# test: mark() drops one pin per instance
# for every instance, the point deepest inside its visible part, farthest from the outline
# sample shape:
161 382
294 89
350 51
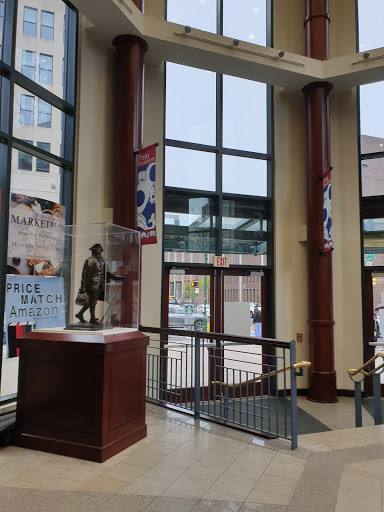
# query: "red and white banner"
146 194
327 211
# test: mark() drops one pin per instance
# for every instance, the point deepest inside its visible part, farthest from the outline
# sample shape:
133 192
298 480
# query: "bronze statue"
92 288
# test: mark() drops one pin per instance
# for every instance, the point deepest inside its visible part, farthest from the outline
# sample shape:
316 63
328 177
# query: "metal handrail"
300 364
361 370
375 373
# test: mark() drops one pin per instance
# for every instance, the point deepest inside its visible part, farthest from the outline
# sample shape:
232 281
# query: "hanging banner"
146 194
327 211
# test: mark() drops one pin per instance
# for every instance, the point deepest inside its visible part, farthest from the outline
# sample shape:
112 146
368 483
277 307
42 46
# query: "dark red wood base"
322 387
81 395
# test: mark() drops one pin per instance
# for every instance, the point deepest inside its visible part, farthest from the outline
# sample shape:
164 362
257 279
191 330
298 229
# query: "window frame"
9 78
30 22
43 26
23 66
46 70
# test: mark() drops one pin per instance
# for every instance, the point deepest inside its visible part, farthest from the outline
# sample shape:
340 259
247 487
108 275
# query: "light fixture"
187 29
366 55
235 42
251 36
281 54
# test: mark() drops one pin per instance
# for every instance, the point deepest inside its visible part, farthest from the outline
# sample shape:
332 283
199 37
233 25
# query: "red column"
322 376
130 52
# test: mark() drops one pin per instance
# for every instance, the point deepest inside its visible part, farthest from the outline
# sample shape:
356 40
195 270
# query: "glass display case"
81 278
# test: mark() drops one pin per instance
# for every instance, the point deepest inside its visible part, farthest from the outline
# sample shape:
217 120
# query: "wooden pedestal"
81 395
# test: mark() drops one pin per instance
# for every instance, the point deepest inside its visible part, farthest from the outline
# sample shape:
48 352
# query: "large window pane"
372 177
52 60
245 231
43 165
244 176
30 22
36 120
245 20
2 14
28 66
186 168
25 160
244 114
27 107
371 116
46 69
195 13
189 228
374 242
47 25
190 104
371 19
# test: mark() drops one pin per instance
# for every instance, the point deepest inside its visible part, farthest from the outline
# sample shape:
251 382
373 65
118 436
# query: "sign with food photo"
36 236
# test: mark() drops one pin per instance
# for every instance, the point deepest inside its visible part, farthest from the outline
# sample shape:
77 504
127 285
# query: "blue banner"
146 195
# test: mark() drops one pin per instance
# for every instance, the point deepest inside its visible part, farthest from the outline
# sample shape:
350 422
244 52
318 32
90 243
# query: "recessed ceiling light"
381 145
256 10
251 36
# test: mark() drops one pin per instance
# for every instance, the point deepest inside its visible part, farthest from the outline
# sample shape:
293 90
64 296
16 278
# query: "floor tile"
22 483
284 470
160 448
60 484
144 459
7 473
30 460
103 484
361 484
165 471
185 459
172 437
83 473
195 447
289 459
230 446
359 501
146 486
256 455
270 483
234 485
125 472
42 474
220 496
270 498
190 486
64 462
245 470
220 458
205 470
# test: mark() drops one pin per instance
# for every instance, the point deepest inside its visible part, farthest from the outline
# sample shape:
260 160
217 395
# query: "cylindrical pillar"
316 26
130 52
322 375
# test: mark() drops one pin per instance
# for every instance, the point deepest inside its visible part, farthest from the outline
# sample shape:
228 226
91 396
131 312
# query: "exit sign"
220 261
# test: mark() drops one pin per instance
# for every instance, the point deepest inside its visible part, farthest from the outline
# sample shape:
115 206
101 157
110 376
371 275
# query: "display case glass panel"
81 278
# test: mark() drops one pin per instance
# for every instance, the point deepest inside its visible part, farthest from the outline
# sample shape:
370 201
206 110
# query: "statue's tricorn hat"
96 246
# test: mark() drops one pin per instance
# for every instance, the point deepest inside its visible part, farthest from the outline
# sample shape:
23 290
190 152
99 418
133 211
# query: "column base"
322 387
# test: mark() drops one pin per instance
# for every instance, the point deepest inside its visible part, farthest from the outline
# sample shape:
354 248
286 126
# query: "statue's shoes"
94 321
80 317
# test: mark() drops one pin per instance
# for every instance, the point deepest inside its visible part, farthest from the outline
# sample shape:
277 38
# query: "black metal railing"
240 381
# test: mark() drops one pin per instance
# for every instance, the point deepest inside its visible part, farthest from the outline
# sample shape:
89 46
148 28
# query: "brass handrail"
300 364
355 371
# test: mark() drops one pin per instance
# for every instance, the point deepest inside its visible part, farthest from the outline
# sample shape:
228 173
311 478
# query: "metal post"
197 377
292 353
205 322
358 412
376 399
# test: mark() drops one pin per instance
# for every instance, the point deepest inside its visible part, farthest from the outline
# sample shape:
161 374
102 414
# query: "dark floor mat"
254 414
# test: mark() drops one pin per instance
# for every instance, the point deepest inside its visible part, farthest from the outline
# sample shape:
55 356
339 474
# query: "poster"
146 194
327 211
38 300
35 237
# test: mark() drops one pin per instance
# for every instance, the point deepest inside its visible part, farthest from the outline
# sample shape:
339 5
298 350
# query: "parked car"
178 319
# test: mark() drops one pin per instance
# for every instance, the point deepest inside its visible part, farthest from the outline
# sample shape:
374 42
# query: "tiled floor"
185 465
